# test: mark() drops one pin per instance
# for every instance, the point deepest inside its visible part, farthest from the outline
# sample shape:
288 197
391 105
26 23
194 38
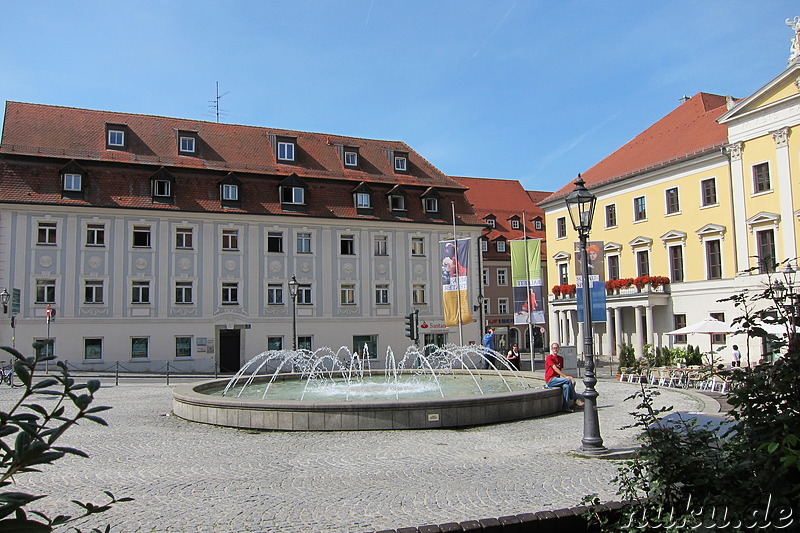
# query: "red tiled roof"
690 129
503 199
66 132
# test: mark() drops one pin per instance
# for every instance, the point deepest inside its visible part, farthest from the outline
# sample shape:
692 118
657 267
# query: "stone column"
740 238
784 189
648 316
639 330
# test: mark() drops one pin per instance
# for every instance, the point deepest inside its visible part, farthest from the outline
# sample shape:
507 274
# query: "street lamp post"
788 276
293 285
4 298
580 205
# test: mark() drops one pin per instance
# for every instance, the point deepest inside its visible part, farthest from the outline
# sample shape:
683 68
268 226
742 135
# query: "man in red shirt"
555 377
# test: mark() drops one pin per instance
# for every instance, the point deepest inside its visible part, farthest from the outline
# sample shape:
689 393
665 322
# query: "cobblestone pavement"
189 477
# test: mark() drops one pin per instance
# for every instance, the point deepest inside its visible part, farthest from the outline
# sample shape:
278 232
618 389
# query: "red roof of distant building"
691 129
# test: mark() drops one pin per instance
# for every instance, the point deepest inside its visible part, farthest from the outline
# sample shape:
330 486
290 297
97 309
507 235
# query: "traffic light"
412 325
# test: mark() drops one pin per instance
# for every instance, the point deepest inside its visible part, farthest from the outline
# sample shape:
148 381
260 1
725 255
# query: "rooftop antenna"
215 103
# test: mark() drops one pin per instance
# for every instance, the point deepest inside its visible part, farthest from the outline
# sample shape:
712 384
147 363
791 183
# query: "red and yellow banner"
455 276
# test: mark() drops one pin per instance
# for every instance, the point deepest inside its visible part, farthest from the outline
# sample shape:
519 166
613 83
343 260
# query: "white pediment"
612 247
763 218
711 230
640 242
673 235
561 256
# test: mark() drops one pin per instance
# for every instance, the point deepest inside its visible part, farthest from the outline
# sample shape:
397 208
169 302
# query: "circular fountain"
340 391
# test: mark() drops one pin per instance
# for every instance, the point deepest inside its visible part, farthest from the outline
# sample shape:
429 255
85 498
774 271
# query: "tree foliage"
29 435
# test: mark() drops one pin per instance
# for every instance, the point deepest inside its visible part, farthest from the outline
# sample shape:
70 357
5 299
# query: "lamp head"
580 205
293 284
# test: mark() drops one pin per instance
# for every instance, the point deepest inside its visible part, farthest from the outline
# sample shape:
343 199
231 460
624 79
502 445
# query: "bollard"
167 372
116 377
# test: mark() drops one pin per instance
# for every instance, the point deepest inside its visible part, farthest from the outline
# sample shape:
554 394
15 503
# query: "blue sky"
531 90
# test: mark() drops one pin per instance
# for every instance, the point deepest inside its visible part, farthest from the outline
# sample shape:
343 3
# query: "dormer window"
537 223
431 205
115 136
491 222
362 196
397 202
501 246
187 143
229 188
292 192
285 149
72 180
350 157
161 185
515 224
400 162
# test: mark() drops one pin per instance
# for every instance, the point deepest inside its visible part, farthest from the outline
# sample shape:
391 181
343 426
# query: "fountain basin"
195 403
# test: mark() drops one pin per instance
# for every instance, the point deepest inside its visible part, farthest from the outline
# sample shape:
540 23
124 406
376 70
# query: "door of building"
230 350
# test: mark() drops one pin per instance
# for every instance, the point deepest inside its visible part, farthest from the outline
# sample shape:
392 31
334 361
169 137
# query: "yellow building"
707 197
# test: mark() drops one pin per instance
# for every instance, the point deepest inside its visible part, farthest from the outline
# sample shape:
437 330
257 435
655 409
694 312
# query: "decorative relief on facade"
231 311
794 48
141 263
735 151
419 270
781 137
350 310
93 311
275 266
184 311
185 263
45 261
230 265
381 269
274 310
348 268
95 262
305 267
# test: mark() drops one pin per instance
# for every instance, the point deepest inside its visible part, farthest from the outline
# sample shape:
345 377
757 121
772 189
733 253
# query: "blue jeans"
567 386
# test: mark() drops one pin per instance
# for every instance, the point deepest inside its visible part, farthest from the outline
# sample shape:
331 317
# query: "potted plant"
568 290
658 281
556 290
641 281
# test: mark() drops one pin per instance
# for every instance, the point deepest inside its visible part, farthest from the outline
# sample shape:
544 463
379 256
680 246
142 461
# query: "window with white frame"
72 182
486 305
350 159
537 224
381 245
93 292
400 163
275 242
116 138
676 263
230 192
184 238
718 338
162 188
708 190
347 245
502 306
563 273
93 349
418 293
274 294
363 200
95 235
230 239
304 295
613 266
140 292
303 243
713 259
45 291
382 294
141 236
492 223
305 342
347 294
285 151
515 224
678 322
292 195
485 277
140 347
765 246
761 181
183 346
184 292
484 245
639 209
431 205
46 233
672 202
398 202
418 246
611 215
501 246
230 293
643 263
187 145
502 276
274 343
561 227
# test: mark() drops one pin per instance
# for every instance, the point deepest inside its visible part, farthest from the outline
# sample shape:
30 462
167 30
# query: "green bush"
627 356
35 430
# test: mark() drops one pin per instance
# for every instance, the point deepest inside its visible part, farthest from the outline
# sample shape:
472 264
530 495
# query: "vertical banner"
597 281
526 281
455 281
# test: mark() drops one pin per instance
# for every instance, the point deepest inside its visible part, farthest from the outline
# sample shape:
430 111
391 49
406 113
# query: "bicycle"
7 374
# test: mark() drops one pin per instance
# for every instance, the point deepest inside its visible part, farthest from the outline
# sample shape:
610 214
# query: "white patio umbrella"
709 326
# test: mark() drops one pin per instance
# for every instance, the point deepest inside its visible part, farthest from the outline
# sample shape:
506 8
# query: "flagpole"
528 289
458 277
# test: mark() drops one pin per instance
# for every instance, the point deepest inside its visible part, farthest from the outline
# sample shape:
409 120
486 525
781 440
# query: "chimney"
683 99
